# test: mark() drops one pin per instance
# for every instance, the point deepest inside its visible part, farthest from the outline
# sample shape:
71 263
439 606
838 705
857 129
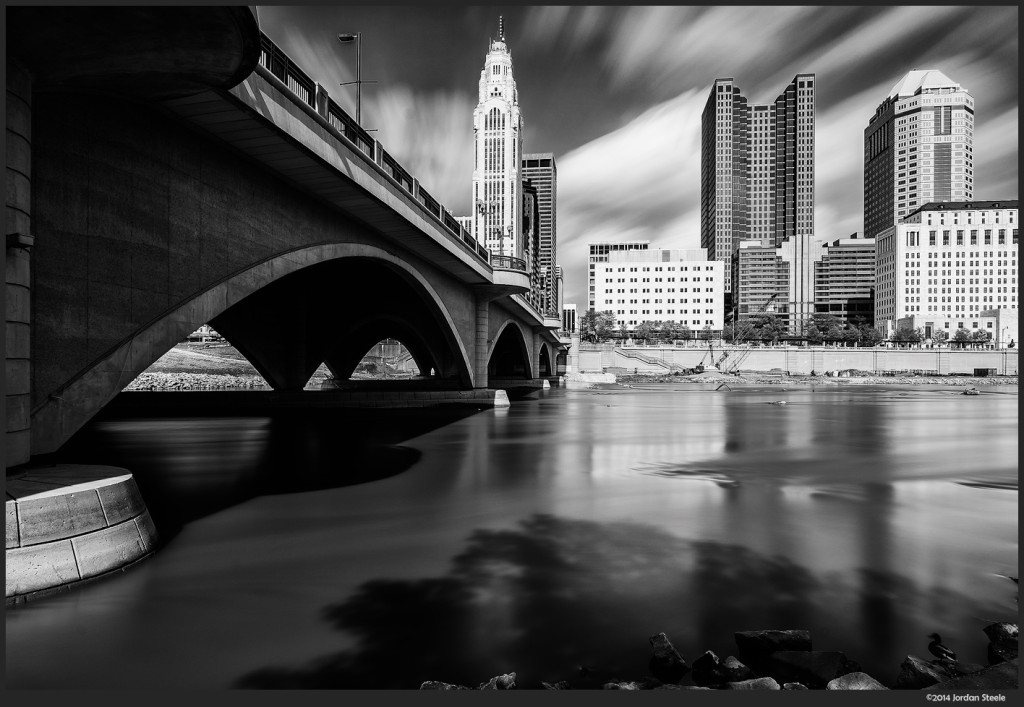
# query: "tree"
939 336
869 336
980 337
677 330
906 335
821 327
597 326
706 332
729 333
644 330
766 327
961 337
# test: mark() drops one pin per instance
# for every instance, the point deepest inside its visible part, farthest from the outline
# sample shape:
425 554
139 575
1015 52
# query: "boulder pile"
785 660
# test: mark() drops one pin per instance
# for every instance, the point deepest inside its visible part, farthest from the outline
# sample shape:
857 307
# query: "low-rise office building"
655 284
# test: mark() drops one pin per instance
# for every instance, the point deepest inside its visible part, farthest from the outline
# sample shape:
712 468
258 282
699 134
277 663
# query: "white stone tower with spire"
498 132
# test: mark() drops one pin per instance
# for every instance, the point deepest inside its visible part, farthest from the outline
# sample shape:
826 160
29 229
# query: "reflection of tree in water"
555 594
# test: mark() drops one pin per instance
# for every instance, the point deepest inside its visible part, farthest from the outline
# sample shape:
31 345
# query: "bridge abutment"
17 283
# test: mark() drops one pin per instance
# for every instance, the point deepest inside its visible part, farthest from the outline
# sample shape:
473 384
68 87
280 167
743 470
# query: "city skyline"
617 93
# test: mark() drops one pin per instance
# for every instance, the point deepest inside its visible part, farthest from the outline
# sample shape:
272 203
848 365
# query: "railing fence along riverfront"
276 65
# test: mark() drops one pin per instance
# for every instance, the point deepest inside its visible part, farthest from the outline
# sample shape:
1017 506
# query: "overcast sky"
616 93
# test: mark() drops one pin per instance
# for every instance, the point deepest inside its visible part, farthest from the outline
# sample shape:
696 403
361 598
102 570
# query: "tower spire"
501 28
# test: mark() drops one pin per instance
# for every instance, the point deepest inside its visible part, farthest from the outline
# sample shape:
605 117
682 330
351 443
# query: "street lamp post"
357 38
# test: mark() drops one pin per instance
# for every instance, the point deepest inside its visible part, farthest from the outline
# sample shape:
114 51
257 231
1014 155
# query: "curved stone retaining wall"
70 523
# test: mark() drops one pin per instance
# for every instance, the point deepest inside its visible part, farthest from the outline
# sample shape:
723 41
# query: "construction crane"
742 333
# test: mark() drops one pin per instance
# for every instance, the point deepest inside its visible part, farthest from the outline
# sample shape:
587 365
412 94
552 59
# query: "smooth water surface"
559 533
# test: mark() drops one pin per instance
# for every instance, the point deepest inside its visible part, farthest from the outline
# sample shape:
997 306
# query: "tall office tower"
918 149
844 280
757 183
947 262
531 246
540 170
599 254
498 131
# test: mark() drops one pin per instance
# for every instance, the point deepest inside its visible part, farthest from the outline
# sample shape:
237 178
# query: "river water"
378 550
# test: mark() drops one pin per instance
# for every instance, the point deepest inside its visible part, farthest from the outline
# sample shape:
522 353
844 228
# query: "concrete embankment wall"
800 360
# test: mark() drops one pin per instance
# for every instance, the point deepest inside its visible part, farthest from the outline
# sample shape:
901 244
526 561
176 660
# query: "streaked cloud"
616 92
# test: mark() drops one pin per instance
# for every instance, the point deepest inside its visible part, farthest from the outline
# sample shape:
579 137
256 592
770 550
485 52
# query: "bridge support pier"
17 283
481 343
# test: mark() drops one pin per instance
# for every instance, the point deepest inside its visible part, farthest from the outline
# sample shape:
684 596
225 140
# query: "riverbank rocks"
666 664
500 682
1003 642
784 662
855 681
630 685
435 685
812 668
755 684
560 685
916 674
710 670
1002 676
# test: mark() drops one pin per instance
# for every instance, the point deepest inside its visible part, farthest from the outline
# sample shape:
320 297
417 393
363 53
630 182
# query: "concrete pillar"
483 320
320 98
17 359
538 343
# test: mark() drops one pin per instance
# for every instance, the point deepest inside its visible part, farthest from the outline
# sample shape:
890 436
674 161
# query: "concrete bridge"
171 167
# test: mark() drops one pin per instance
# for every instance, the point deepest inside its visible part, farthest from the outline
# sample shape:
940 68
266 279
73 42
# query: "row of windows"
914 238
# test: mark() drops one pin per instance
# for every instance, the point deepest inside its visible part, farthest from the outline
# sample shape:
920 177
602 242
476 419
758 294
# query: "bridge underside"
333 313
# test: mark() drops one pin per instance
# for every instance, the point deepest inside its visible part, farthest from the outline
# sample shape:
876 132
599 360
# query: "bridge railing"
507 262
274 60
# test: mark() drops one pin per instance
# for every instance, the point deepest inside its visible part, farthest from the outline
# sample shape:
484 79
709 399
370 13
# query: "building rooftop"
921 80
965 206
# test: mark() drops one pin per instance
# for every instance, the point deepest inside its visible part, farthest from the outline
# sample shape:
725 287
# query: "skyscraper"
498 130
540 170
918 149
757 183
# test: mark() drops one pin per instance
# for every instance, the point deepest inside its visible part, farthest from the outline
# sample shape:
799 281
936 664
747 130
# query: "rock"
708 670
813 668
666 664
1002 676
560 685
680 687
1001 652
736 671
916 674
761 643
500 682
632 685
794 686
1004 642
755 684
435 685
855 681
1001 632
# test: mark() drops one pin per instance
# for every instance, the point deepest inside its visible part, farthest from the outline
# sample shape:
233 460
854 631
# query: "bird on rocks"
940 651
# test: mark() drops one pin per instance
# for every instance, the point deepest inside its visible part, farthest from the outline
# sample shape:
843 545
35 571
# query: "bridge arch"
545 361
54 420
509 354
